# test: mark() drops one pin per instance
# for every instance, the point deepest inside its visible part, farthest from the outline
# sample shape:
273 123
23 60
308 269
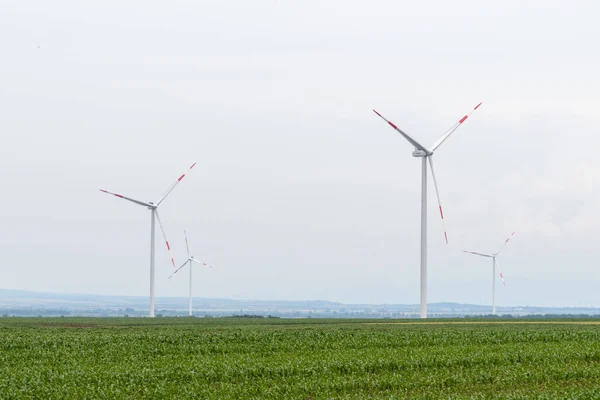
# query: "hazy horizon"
22 299
474 292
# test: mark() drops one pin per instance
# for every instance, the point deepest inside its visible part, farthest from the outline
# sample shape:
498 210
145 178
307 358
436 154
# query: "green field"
178 358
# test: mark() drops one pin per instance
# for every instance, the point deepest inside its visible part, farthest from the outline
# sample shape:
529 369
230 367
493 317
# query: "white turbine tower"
190 260
153 207
427 156
494 266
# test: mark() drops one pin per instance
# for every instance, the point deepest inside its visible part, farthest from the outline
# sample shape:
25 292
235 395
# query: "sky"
300 191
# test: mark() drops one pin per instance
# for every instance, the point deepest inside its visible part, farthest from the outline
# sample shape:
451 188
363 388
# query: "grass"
74 358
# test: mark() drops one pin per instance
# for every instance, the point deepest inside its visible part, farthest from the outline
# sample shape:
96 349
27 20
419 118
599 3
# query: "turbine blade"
453 128
186 243
478 254
411 140
437 193
170 189
504 244
165 237
177 270
141 203
202 263
500 271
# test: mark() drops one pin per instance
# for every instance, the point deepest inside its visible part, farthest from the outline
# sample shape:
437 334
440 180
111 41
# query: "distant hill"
29 303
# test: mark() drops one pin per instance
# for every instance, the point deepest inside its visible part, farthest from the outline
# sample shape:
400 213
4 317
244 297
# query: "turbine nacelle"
421 153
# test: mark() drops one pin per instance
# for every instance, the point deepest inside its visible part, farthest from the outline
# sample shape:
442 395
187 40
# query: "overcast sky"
300 191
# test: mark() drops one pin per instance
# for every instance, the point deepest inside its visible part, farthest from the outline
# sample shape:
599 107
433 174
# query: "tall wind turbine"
427 156
190 260
153 207
494 266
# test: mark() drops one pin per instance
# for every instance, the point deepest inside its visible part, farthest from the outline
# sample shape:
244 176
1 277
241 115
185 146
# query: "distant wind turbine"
190 260
427 156
153 207
494 266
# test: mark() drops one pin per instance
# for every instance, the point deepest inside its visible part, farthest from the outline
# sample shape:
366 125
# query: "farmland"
228 358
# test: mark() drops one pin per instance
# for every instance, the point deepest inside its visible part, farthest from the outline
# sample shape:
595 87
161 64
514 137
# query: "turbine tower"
494 266
153 207
427 157
190 260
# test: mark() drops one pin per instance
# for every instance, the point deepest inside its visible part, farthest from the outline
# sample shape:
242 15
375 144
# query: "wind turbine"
190 260
153 207
494 266
427 156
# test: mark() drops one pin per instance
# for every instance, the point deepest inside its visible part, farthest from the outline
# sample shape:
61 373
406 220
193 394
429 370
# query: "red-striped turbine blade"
437 193
505 242
454 127
170 189
141 203
165 237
